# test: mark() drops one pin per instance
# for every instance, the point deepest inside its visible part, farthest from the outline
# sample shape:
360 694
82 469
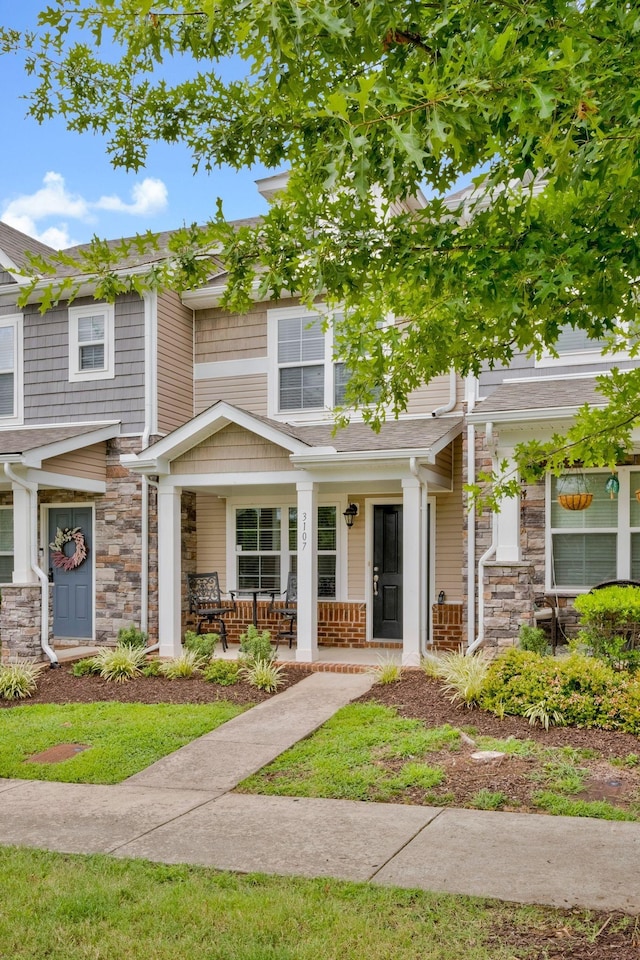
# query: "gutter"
39 572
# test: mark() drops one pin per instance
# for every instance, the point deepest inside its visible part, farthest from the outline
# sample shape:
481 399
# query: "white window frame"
623 531
284 553
8 553
16 321
577 357
76 374
287 313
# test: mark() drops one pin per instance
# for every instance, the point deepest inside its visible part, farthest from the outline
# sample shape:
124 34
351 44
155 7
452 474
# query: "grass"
562 806
124 737
345 758
65 907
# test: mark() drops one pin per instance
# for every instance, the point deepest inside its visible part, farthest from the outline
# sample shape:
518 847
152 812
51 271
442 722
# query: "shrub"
131 637
387 671
83 668
119 664
263 674
430 665
223 672
203 644
152 669
610 618
19 679
533 639
464 676
255 645
182 667
577 690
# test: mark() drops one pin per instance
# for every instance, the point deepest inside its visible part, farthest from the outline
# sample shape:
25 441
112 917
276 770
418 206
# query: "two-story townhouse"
226 422
536 546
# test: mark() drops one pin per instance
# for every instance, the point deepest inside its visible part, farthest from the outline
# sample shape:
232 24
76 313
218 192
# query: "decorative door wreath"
59 558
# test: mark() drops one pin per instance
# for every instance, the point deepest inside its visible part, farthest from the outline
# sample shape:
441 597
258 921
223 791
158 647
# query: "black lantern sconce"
350 514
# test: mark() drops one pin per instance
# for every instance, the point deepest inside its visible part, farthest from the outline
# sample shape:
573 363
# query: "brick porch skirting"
447 626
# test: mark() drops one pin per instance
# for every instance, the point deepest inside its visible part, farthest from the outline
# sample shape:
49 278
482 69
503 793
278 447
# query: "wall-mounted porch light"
350 514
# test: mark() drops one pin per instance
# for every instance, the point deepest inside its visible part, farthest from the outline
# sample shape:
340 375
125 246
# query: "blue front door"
72 588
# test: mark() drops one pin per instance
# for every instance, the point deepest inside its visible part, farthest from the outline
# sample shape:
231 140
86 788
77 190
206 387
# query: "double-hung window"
11 369
304 376
266 548
91 342
6 544
601 542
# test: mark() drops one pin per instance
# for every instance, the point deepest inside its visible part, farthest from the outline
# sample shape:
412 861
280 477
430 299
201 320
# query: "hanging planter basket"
573 493
638 495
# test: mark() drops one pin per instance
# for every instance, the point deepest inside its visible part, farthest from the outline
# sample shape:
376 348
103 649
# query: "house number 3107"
303 531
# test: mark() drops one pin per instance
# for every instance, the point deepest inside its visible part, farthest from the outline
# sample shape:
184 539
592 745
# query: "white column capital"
410 483
306 486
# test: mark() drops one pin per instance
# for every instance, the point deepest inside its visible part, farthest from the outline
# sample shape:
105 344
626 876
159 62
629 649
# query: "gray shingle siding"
523 366
48 395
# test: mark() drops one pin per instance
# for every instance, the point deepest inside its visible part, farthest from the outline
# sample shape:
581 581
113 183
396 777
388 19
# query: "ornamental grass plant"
120 663
18 679
189 663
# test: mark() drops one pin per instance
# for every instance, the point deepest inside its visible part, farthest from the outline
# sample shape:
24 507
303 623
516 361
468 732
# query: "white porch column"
508 520
413 549
169 570
24 536
307 646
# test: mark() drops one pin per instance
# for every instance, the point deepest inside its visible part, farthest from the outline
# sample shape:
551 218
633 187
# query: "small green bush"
83 668
131 637
152 669
609 618
576 690
184 666
203 644
19 679
263 674
463 676
255 645
223 672
534 639
387 671
119 664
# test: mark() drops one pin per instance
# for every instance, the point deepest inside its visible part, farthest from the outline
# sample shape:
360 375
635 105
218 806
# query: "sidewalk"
180 810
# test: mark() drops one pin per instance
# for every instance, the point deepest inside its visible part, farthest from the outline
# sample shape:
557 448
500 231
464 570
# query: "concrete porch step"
68 654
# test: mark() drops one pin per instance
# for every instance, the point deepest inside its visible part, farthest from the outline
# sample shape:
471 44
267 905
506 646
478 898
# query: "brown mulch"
518 778
60 686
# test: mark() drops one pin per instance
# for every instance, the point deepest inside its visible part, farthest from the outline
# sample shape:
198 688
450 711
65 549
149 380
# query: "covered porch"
255 500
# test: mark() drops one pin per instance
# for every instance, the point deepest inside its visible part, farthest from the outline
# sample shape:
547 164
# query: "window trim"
16 320
76 374
623 530
284 503
273 375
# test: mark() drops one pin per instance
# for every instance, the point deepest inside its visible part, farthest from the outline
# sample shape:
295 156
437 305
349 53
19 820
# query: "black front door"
387 572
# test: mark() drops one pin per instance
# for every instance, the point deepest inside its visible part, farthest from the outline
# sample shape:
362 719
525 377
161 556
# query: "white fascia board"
211 295
525 416
148 466
61 481
260 478
209 422
34 458
317 456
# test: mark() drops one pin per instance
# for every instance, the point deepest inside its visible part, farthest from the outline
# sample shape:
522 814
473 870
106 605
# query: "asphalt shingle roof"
541 395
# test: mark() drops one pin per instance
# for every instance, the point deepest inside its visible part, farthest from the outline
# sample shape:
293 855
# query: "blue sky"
60 187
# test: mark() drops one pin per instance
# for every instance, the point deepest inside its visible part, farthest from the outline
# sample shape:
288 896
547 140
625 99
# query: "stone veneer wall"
21 617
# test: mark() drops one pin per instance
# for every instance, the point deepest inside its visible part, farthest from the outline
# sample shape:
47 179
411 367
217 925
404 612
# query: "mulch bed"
60 686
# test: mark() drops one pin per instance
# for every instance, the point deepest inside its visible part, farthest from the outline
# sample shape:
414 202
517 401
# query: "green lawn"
66 907
124 738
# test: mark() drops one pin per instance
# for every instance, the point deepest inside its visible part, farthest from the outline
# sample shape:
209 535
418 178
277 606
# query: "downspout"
150 418
489 552
415 471
453 395
32 490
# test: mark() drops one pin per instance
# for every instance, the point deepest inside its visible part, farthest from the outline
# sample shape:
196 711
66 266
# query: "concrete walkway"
180 810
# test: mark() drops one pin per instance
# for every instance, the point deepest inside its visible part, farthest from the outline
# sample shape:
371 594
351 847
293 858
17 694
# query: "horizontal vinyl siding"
435 394
175 362
232 450
48 395
524 366
90 463
249 393
220 335
211 525
356 555
450 518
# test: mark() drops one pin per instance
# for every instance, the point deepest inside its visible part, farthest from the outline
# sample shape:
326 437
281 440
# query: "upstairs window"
11 369
6 544
91 342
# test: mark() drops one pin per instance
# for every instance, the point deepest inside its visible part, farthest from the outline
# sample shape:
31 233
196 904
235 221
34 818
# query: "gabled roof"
32 445
410 437
14 246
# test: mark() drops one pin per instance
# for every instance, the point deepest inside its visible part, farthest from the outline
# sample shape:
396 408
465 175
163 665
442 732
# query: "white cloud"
149 197
53 200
